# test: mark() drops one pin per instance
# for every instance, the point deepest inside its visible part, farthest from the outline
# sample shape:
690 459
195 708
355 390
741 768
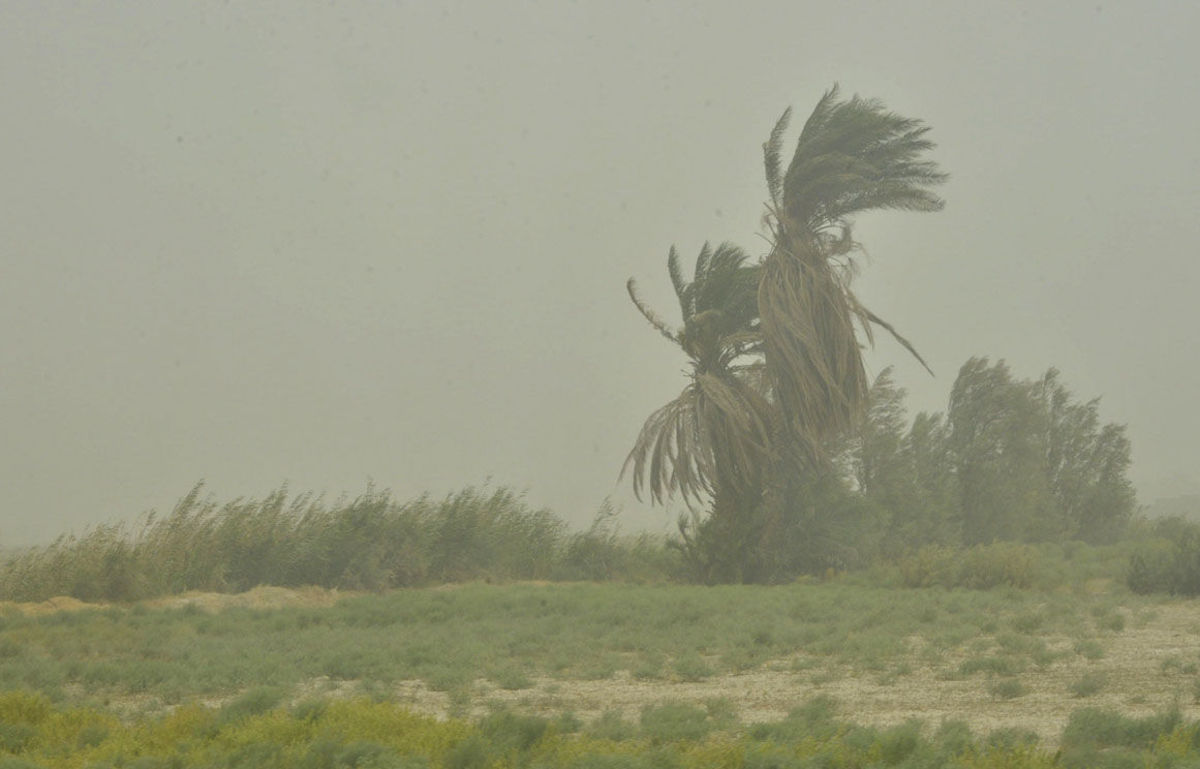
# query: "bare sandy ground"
258 598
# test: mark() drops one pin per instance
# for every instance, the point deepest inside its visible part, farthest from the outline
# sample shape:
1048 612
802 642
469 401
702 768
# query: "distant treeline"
1010 460
374 542
1001 489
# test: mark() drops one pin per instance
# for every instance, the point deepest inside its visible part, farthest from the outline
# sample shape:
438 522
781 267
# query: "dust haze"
340 244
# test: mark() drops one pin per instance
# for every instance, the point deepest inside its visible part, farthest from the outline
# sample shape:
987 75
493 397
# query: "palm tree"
777 366
852 156
713 440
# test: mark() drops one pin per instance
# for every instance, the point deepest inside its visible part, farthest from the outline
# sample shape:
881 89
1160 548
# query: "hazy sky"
325 243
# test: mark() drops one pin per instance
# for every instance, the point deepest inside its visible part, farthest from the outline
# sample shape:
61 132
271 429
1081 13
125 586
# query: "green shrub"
1007 688
14 737
509 731
690 667
1003 666
1170 563
611 726
1096 728
929 566
1003 563
254 702
673 722
981 567
471 753
1089 684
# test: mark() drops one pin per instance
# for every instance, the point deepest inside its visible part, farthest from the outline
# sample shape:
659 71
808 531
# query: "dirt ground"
258 598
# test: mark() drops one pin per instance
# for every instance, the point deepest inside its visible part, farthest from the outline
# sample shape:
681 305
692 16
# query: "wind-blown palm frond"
650 315
813 359
679 283
852 156
713 439
772 152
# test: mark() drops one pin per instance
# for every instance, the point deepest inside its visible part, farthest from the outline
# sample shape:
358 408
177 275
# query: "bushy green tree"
1086 464
996 429
934 515
1031 462
902 471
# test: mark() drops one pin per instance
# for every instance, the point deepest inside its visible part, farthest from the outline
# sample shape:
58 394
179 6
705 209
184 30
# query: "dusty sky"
325 243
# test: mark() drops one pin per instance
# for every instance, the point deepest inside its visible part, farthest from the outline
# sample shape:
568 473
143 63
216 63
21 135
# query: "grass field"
601 656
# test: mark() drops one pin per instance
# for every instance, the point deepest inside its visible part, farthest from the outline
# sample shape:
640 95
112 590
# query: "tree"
901 472
934 517
852 156
713 440
1085 463
781 378
1032 463
876 462
995 428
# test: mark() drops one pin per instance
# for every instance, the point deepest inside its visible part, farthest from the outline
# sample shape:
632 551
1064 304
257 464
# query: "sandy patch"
264 597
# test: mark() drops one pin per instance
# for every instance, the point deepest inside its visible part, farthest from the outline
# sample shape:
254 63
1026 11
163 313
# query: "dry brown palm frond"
813 358
873 318
716 433
669 454
739 419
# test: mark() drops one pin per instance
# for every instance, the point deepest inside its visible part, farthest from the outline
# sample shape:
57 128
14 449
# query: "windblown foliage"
852 156
714 438
777 369
372 542
1031 462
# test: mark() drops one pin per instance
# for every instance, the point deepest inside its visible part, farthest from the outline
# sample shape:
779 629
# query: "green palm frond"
723 295
853 156
679 283
702 263
772 153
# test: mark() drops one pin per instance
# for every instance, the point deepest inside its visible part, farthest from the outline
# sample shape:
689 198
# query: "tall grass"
374 542
371 542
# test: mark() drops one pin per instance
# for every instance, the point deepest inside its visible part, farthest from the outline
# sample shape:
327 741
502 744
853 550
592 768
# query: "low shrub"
981 567
1169 562
1088 684
674 722
362 734
1097 728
